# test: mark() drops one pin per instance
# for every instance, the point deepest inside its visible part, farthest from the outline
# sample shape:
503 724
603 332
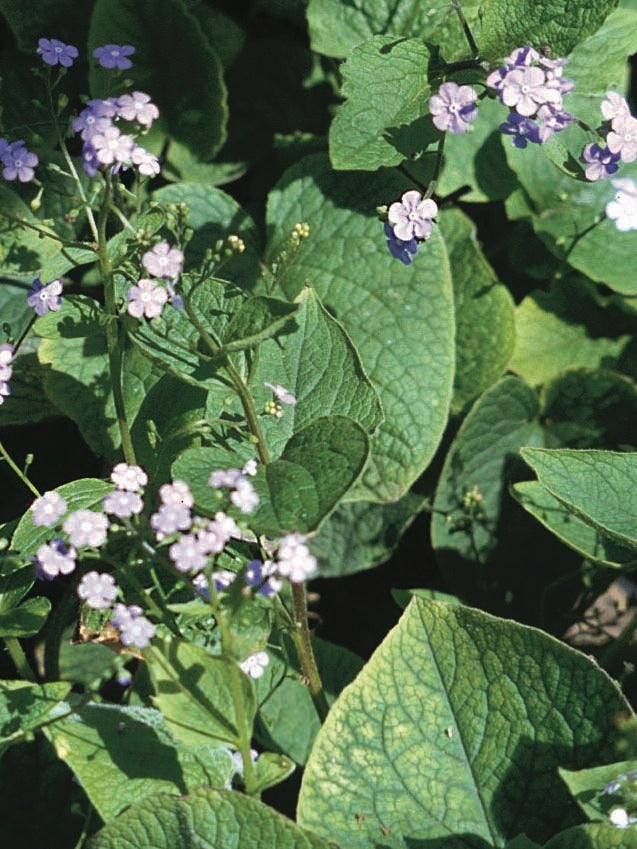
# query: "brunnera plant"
269 414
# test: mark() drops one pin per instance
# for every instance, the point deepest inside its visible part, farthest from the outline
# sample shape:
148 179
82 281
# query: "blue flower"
399 248
55 52
523 130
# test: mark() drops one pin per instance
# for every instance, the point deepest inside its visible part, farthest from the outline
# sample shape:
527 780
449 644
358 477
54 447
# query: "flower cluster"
621 139
6 370
453 108
147 298
281 396
242 494
410 221
105 145
532 86
624 786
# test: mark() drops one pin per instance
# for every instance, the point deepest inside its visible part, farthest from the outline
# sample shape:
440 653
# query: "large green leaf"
337 27
566 327
215 215
220 818
121 755
386 89
577 534
400 319
507 24
485 323
193 689
174 62
320 366
30 20
451 736
595 485
26 619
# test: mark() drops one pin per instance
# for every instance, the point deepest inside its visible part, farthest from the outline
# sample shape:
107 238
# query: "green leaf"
85 493
231 820
122 755
320 366
215 215
317 467
26 619
400 319
25 707
77 375
271 769
225 36
386 89
616 40
507 24
193 690
28 404
567 327
456 726
594 836
256 320
173 62
475 161
587 408
31 19
336 27
287 720
587 787
22 249
485 322
361 534
578 535
595 485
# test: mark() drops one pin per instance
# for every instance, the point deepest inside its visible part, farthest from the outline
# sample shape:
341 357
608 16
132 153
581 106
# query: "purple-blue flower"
163 260
137 107
399 248
55 52
602 163
551 121
412 216
54 558
522 129
114 56
18 162
45 297
453 108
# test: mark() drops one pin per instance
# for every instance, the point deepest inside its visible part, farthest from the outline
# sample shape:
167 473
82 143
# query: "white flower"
623 209
85 527
130 478
255 665
48 509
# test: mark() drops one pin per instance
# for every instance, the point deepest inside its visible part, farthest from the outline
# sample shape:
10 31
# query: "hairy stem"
19 658
465 27
305 652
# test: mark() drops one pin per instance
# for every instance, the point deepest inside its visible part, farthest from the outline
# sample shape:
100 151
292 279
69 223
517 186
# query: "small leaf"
271 769
84 493
25 707
587 787
256 320
456 726
26 619
193 690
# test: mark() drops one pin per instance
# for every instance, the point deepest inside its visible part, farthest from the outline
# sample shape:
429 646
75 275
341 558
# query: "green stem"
239 384
12 465
303 643
71 165
44 231
19 658
437 165
113 343
465 27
